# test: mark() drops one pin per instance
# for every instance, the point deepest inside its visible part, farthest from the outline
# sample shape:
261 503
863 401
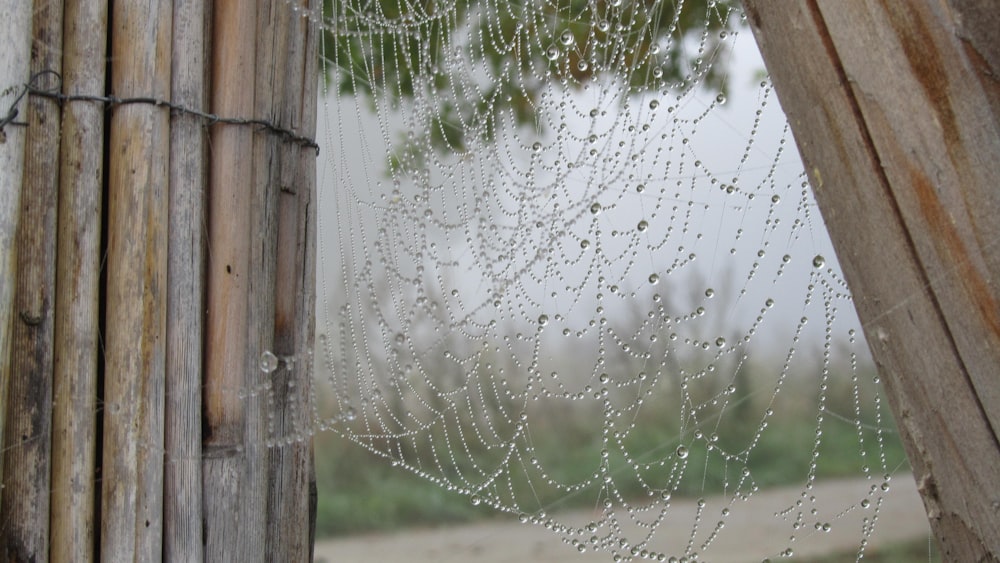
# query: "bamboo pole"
132 469
24 508
14 65
234 519
273 59
74 421
292 482
182 532
891 109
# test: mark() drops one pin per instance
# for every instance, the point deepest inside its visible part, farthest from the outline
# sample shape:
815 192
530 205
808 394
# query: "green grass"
361 492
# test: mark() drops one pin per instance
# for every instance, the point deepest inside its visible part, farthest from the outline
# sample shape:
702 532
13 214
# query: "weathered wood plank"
135 321
901 143
291 462
24 506
182 479
14 67
77 323
233 509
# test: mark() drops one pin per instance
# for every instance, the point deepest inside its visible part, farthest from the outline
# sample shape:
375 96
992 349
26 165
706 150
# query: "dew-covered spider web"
569 257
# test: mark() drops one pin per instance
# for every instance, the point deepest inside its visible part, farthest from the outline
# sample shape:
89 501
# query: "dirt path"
755 529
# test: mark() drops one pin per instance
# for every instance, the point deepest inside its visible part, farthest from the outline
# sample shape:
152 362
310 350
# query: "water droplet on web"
709 293
653 104
595 208
268 362
654 279
642 226
720 99
681 452
543 319
819 261
567 38
552 52
584 244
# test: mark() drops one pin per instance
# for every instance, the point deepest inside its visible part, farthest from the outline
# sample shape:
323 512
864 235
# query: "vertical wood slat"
182 534
24 506
14 69
132 468
234 527
270 164
309 203
74 440
900 142
290 527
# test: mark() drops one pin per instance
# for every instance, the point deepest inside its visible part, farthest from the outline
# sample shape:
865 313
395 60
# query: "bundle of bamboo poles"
151 256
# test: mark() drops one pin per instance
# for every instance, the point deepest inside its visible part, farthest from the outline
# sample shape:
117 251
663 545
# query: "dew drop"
720 99
819 261
653 104
567 38
595 208
642 226
268 362
654 278
543 319
681 452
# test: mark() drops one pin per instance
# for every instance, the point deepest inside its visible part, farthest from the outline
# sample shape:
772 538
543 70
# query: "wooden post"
24 503
182 504
13 76
78 266
894 109
135 321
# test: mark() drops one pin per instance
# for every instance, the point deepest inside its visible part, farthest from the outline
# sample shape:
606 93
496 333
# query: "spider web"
552 228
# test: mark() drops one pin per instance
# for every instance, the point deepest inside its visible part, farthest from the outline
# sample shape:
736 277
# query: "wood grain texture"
14 73
24 506
135 321
292 480
232 501
901 143
182 479
77 339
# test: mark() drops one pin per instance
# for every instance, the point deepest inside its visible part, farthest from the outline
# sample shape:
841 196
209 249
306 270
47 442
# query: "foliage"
476 61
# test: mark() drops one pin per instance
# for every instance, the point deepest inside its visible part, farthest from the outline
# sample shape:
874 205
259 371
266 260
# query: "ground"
753 530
